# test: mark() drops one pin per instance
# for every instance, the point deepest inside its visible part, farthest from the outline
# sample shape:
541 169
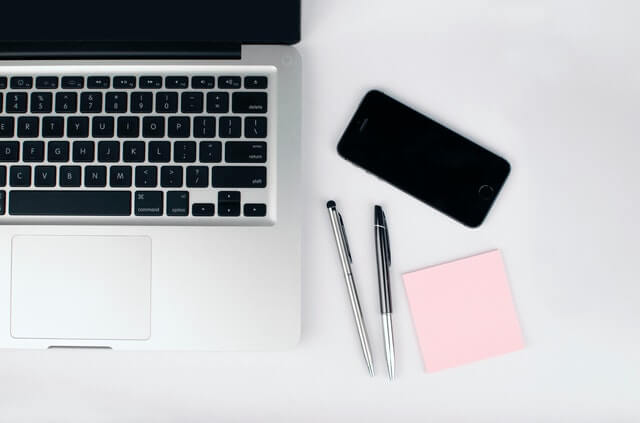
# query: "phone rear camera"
486 192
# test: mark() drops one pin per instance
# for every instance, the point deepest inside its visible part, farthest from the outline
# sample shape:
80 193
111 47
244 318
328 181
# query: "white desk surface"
552 86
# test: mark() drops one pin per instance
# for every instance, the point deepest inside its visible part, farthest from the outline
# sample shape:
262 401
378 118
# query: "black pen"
383 260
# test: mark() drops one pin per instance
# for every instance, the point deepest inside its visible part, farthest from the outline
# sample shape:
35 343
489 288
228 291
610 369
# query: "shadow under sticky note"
463 311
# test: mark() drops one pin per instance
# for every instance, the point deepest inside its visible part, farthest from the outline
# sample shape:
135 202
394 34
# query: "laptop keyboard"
123 148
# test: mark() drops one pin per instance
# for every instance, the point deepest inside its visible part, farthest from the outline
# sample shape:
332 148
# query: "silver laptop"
149 176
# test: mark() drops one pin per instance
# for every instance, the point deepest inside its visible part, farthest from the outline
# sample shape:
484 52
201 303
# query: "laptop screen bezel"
284 27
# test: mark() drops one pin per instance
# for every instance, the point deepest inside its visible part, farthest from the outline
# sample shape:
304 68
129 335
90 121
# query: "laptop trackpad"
81 287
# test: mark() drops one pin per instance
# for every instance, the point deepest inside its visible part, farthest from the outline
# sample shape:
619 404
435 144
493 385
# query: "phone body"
424 158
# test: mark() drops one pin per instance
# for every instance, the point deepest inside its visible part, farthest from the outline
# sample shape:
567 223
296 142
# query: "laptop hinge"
34 50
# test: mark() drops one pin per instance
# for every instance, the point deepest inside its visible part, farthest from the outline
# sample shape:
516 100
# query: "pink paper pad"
463 311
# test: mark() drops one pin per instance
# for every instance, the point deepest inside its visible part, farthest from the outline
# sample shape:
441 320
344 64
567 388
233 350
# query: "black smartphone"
424 158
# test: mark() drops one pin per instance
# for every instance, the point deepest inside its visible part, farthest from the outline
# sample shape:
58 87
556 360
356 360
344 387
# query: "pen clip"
343 234
387 245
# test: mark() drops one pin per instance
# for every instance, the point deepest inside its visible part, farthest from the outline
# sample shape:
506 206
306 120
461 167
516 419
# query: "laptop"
150 175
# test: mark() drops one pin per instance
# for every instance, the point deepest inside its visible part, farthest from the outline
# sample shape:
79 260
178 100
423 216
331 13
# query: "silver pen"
383 259
345 259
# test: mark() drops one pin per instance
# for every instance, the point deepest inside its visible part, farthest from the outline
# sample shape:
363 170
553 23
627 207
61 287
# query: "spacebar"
70 203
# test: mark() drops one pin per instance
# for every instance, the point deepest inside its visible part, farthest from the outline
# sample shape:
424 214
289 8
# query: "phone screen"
424 158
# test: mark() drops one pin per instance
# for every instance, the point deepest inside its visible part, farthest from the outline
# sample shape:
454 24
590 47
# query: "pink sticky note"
463 311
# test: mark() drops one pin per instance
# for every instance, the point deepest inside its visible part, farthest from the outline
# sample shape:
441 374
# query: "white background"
554 87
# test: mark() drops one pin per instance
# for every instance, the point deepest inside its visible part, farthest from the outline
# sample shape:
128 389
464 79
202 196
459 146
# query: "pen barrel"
344 254
382 261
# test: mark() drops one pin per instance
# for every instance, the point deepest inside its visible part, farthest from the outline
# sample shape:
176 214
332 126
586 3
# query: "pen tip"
331 204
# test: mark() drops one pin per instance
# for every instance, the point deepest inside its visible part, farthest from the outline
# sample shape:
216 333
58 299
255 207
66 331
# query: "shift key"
239 176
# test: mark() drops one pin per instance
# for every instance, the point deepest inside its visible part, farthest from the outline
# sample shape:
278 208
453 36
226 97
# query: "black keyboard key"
197 176
72 82
3 82
28 127
255 210
124 82
179 82
141 102
229 197
171 176
98 82
78 127
6 127
120 176
184 151
192 102
179 127
203 209
128 127
66 102
255 82
217 102
204 127
228 209
146 176
230 127
102 127
133 151
16 103
1 101
47 82
239 176
70 176
116 102
249 102
83 151
245 152
210 151
108 151
3 176
3 196
177 203
153 127
91 102
95 176
150 82
58 151
166 102
20 176
44 176
41 102
21 82
159 151
255 127
52 127
230 82
9 151
70 203
205 82
148 203
33 151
